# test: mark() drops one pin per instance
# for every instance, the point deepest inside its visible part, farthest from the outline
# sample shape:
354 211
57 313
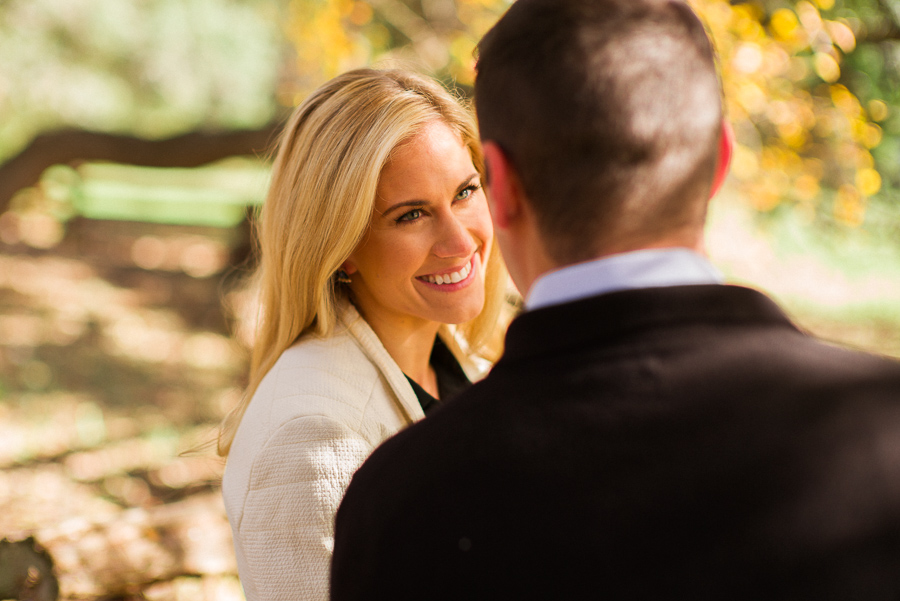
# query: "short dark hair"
610 110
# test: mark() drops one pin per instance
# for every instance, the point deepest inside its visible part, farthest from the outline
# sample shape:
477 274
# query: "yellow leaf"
379 36
748 58
747 12
764 198
809 16
868 181
864 159
871 136
849 206
744 163
806 187
793 134
814 167
360 14
878 110
462 49
841 35
846 101
752 98
798 68
784 23
746 22
716 13
826 67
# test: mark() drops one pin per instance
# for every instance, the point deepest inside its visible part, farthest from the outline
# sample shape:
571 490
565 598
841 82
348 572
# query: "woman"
374 236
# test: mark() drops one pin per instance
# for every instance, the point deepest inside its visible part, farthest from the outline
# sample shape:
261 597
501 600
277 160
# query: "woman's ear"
348 266
726 149
504 192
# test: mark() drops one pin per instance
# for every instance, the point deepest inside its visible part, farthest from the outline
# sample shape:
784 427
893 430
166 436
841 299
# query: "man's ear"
726 149
504 189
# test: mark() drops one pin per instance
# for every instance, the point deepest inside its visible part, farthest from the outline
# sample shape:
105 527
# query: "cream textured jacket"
324 406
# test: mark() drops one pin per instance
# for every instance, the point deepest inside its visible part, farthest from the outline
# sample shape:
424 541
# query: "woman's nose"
454 239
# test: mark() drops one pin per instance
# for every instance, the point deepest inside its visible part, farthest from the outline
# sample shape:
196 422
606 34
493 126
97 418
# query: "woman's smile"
453 279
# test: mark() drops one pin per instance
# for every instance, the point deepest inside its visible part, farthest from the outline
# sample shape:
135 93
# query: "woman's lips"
452 280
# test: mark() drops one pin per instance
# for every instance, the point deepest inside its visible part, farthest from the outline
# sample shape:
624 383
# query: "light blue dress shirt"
637 269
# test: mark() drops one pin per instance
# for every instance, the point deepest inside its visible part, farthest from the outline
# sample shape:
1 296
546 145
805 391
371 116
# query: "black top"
671 443
451 379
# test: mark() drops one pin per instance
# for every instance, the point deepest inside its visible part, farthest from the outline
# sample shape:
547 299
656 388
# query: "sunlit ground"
843 286
115 358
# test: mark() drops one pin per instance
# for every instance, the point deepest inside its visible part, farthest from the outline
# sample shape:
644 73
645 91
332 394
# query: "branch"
72 146
425 40
890 7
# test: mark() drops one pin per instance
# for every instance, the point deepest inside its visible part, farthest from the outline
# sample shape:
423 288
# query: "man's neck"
690 239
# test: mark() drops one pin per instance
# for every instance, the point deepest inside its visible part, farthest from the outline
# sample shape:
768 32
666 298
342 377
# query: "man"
649 433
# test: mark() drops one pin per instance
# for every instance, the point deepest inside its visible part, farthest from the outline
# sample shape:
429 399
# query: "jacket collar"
351 322
605 318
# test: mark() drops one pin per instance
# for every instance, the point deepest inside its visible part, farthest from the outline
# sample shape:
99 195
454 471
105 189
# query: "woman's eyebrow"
403 205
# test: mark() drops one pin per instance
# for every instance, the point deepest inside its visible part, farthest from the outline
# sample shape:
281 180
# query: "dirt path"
115 358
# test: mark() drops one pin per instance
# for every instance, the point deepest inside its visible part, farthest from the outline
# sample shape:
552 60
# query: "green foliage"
148 68
216 196
872 74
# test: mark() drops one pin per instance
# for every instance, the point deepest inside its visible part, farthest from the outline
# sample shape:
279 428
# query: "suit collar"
605 318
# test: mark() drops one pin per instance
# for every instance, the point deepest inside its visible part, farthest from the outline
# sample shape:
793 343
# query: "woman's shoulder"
330 368
344 376
321 388
316 352
350 354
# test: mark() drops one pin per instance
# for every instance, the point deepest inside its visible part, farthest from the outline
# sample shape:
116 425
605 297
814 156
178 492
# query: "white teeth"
450 278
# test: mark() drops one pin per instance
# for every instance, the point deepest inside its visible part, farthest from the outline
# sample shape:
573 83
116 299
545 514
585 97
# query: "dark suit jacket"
684 442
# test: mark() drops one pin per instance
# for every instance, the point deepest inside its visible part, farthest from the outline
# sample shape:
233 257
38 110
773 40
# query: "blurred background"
134 137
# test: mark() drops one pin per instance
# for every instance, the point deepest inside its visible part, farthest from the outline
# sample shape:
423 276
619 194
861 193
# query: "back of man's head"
610 113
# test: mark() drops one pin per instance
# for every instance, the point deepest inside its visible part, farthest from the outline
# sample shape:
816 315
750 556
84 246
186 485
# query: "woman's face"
423 258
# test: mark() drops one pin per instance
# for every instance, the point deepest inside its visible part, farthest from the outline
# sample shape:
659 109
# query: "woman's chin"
459 315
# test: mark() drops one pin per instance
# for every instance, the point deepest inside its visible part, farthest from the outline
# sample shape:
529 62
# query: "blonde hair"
321 198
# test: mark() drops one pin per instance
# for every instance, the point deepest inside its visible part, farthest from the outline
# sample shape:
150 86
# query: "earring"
342 277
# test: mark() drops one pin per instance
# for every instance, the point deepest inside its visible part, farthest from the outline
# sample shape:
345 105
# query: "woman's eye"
410 216
466 192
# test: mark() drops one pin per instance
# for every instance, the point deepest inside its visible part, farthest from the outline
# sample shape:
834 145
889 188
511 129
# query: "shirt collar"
637 269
